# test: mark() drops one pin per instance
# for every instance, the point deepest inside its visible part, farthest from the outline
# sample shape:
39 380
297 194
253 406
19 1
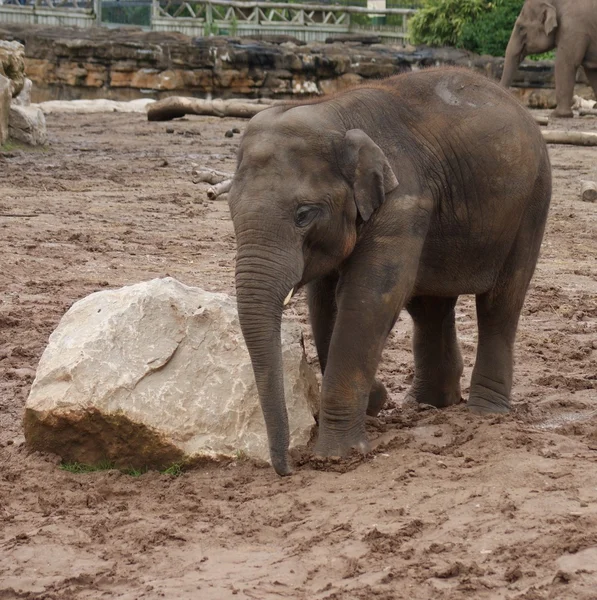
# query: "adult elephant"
405 192
571 25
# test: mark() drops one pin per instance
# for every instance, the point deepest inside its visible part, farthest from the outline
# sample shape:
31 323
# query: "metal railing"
202 18
307 22
68 13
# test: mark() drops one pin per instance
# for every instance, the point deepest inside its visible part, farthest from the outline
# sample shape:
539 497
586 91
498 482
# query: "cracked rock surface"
156 373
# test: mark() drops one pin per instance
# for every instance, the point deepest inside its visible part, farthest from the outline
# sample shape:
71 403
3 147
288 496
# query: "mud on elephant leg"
322 310
491 382
498 311
438 362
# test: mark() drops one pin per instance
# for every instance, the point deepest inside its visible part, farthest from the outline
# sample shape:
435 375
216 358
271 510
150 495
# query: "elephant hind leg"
498 312
438 362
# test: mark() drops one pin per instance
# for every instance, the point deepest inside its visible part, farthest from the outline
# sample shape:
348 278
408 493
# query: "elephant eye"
305 214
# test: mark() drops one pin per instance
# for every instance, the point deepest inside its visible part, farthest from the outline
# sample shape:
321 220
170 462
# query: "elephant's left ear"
368 170
550 17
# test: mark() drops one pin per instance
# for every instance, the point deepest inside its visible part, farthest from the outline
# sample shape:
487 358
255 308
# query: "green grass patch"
13 145
174 470
77 468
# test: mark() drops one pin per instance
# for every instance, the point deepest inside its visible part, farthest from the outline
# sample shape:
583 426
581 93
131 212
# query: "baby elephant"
405 192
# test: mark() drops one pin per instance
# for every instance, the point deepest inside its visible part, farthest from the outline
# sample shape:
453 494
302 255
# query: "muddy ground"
450 506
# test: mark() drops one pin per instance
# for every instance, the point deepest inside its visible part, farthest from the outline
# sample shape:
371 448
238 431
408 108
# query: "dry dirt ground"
449 505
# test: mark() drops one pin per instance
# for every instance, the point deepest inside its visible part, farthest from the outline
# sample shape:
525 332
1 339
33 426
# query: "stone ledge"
124 64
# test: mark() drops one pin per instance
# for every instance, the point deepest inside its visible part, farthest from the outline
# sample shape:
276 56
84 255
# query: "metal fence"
69 13
307 22
201 18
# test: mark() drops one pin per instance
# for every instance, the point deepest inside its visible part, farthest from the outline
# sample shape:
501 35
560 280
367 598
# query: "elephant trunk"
264 278
514 56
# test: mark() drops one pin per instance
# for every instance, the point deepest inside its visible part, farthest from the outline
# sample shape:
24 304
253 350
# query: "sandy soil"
449 506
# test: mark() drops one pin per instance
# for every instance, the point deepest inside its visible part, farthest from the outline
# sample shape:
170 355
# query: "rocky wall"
123 64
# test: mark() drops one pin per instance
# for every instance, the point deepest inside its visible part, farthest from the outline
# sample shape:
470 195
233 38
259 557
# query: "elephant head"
298 193
534 32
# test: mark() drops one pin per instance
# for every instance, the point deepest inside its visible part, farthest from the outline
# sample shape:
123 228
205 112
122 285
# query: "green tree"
490 32
441 22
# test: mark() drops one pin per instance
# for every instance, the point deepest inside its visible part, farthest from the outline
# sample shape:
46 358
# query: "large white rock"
5 96
27 124
156 373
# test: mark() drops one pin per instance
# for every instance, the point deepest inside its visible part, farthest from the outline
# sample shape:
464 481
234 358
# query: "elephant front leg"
369 301
565 69
321 296
438 362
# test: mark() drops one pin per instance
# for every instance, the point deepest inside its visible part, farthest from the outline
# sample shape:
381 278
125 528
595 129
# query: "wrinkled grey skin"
405 193
571 25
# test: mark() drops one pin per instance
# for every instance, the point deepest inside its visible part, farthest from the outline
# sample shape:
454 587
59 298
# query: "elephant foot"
434 397
483 401
335 444
562 114
377 398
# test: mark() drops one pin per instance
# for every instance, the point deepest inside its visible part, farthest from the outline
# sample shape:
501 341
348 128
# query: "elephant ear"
550 17
368 171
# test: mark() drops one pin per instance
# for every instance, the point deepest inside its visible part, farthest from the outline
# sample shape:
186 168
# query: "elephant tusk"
287 299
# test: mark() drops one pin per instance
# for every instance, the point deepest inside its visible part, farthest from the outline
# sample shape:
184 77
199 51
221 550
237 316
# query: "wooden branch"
541 120
220 188
576 138
210 176
178 106
588 191
586 112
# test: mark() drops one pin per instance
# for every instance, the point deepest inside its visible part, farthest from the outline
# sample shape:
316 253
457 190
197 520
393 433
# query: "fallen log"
220 188
587 112
210 176
541 120
575 138
178 106
588 191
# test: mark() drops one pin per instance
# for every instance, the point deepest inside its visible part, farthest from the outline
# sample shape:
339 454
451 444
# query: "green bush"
490 32
441 22
480 26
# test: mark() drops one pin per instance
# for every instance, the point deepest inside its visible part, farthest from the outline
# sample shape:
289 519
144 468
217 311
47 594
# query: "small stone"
229 133
235 130
169 129
27 124
513 574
